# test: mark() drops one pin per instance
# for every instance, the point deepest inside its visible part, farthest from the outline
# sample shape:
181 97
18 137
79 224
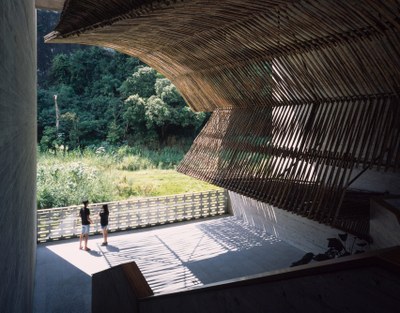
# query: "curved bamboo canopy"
303 92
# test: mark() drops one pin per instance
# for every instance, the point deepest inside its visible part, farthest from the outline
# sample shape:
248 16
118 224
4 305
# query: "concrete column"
17 154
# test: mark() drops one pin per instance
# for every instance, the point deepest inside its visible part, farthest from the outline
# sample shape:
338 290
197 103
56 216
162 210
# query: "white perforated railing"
63 223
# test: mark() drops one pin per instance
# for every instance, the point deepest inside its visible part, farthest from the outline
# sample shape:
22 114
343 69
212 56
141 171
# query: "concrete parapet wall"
304 234
369 289
17 154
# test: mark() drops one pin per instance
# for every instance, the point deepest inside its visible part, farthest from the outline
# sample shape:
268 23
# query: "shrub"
134 163
144 190
65 184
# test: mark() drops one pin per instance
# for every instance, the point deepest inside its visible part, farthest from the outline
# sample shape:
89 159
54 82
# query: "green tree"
169 112
168 93
45 111
59 72
107 96
115 133
86 82
134 120
50 140
141 82
158 115
70 129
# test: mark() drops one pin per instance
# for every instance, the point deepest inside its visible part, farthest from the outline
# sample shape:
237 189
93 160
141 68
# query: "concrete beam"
54 5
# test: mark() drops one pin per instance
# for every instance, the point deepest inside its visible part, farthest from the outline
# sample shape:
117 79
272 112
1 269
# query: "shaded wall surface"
307 235
385 222
17 154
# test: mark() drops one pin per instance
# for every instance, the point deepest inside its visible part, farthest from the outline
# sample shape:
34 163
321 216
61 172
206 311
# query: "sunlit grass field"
155 182
125 173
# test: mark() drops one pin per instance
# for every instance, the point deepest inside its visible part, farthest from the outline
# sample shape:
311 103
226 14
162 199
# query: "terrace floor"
172 257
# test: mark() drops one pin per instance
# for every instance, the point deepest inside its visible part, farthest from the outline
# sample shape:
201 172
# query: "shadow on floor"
59 285
171 258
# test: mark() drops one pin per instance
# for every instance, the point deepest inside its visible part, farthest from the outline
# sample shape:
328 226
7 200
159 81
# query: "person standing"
86 221
104 222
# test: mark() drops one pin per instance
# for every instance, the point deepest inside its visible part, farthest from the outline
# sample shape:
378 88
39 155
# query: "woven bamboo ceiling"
302 92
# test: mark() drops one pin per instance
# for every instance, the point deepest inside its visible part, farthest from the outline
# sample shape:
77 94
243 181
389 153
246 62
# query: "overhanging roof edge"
53 5
101 15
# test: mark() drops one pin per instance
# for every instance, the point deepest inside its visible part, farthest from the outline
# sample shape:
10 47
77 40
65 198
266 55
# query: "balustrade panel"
63 223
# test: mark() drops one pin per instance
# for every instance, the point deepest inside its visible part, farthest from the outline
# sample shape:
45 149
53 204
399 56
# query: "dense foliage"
104 97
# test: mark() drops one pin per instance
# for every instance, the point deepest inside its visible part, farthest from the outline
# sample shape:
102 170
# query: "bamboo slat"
306 156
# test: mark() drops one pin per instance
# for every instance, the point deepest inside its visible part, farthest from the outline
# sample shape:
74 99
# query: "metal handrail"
64 222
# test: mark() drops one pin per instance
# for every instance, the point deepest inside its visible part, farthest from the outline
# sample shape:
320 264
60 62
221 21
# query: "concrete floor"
173 257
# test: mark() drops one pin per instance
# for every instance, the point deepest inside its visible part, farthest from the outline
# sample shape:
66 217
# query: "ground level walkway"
174 257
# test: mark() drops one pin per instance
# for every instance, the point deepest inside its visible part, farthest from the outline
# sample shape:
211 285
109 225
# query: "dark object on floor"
304 260
322 257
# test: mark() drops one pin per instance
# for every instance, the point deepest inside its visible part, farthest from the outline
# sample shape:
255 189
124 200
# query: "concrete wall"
384 224
17 154
300 232
372 180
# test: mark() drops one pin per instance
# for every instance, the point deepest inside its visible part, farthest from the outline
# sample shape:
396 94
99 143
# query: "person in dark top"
84 213
104 222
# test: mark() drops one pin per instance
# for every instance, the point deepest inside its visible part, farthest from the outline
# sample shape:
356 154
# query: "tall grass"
109 174
66 183
136 158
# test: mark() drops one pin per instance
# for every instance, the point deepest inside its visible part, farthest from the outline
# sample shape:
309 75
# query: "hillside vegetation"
94 97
